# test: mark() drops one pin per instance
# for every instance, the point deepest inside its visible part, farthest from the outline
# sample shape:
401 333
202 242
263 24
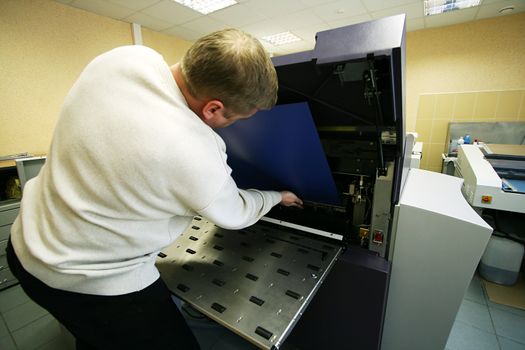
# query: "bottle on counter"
461 140
467 139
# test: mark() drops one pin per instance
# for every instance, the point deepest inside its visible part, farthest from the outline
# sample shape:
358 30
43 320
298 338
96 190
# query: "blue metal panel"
280 149
357 41
298 57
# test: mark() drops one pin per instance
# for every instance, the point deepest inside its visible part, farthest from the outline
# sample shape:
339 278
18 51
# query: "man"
133 158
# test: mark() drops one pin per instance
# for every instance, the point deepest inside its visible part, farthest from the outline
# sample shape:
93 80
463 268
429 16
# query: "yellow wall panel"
444 106
521 114
483 55
485 106
464 106
434 159
44 46
508 105
427 105
424 129
170 47
439 131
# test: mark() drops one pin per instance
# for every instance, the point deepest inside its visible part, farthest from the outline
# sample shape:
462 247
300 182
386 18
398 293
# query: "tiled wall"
435 111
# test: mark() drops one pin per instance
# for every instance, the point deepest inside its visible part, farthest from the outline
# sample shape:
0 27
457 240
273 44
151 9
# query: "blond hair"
233 67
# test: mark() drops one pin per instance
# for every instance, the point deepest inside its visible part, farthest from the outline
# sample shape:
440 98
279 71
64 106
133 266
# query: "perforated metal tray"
257 281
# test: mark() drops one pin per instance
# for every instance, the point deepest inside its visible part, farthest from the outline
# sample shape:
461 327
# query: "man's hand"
289 199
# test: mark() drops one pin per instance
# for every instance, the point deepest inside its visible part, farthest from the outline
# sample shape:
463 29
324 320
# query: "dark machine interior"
351 104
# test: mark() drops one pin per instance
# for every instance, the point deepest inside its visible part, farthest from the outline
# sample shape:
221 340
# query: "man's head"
230 72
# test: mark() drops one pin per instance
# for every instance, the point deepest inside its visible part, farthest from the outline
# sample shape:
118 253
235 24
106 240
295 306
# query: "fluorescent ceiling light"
435 7
206 6
281 38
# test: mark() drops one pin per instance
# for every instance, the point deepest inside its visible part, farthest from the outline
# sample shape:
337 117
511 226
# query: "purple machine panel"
280 149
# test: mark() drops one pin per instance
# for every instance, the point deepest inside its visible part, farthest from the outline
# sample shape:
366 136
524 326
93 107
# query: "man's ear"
212 111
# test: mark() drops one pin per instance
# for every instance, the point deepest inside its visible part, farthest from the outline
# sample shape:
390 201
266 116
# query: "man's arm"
234 208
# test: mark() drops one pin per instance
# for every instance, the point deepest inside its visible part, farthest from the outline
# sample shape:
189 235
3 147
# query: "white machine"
490 177
438 244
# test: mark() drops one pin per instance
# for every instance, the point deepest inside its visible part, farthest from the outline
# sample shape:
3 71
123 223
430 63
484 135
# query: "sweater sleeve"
234 208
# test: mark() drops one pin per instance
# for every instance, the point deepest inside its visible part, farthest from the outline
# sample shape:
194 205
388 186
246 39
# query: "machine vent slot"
263 333
183 288
251 277
161 255
256 300
313 267
218 282
218 262
293 294
193 238
218 247
218 307
283 272
197 218
248 258
218 235
191 251
187 267
277 255
196 227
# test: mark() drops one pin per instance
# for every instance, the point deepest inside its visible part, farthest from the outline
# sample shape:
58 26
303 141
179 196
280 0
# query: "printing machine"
494 176
377 268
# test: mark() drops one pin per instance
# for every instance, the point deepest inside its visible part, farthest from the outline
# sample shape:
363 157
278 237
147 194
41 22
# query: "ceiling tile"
272 8
339 10
204 25
134 4
171 12
183 33
237 15
349 21
264 28
492 9
309 32
449 18
378 5
412 11
297 47
298 20
103 8
415 24
311 3
148 21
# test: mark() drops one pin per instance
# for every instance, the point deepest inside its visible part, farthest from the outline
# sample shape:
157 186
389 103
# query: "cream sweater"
129 166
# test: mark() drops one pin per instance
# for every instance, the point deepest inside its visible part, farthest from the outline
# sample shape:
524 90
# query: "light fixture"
281 38
435 7
206 6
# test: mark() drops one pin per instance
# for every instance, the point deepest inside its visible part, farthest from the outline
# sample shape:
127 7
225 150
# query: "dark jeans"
147 319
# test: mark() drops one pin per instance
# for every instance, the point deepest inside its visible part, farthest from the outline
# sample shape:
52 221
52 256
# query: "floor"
484 325
26 326
480 325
